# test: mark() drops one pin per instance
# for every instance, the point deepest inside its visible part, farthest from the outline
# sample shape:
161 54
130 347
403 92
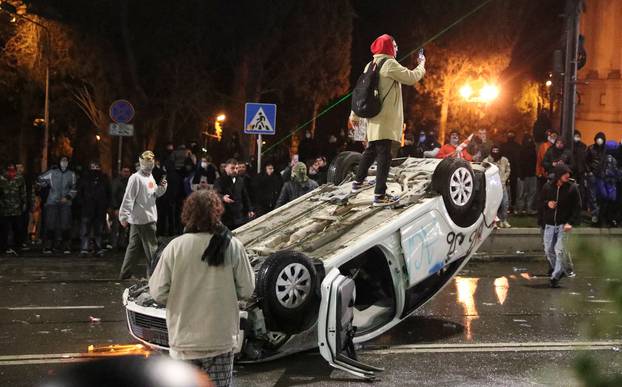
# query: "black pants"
7 224
379 151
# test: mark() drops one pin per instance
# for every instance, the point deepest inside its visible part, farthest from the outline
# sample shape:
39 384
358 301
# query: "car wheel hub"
461 186
293 285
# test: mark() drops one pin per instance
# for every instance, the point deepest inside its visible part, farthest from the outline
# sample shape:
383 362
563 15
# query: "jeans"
92 224
379 151
594 202
554 239
57 223
526 194
502 213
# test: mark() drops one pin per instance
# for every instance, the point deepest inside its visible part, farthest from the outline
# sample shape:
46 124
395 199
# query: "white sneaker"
506 224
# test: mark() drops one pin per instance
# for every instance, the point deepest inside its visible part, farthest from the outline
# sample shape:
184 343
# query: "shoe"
356 186
554 283
11 253
47 251
108 246
594 219
84 253
500 224
100 252
506 224
385 200
25 247
572 274
66 251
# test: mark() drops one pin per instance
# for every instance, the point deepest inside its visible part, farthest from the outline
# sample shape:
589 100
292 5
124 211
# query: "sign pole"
259 153
120 155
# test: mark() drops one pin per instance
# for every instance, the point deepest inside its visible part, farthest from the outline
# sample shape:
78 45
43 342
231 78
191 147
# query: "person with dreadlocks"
299 185
200 277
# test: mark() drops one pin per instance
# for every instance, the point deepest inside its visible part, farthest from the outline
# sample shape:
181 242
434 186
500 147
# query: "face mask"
63 165
204 164
600 141
552 139
577 139
146 166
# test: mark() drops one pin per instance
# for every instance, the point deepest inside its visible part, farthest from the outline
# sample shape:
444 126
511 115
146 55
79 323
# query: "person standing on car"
200 277
138 210
386 127
561 209
299 185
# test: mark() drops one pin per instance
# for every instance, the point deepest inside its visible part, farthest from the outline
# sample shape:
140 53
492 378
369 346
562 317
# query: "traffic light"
218 127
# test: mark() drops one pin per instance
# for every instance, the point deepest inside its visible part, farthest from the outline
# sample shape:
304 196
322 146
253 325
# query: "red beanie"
383 45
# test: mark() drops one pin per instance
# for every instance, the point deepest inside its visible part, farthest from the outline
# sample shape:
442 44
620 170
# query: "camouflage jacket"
12 196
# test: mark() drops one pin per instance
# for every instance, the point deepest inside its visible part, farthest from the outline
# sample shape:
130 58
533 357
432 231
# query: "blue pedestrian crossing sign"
260 118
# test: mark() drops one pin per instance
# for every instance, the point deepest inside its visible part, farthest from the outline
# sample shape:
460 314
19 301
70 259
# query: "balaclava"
299 173
146 161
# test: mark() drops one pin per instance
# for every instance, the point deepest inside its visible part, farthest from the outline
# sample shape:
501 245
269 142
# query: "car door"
335 329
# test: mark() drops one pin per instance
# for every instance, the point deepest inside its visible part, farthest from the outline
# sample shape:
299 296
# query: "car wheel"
461 190
286 284
344 167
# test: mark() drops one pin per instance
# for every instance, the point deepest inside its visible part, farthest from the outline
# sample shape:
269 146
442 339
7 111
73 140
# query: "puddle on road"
466 288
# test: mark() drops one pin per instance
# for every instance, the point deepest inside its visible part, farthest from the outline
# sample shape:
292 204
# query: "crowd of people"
67 203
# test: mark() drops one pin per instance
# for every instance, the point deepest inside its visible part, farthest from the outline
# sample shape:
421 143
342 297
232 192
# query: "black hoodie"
595 156
568 209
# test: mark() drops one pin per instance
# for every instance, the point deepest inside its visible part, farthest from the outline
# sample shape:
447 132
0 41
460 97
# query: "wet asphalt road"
497 323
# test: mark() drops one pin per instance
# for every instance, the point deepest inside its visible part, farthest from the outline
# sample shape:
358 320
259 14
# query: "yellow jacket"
387 125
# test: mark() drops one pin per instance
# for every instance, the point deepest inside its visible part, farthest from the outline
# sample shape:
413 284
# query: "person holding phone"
385 128
138 211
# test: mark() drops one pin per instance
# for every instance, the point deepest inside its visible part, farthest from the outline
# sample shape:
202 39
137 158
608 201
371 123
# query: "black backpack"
366 102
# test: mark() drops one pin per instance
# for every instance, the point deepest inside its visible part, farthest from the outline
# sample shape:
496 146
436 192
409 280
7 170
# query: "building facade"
600 100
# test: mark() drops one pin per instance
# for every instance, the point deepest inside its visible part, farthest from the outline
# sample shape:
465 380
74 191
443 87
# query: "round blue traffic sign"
121 111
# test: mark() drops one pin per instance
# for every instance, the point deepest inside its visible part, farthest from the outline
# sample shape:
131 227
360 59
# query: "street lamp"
466 91
548 83
15 12
489 93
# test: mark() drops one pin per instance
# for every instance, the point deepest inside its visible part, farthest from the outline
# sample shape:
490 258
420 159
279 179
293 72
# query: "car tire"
343 168
461 189
286 285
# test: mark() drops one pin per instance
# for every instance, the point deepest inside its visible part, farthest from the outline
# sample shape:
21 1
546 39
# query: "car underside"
391 259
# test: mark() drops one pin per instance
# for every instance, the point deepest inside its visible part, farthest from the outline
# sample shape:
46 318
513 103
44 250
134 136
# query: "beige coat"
504 168
201 301
387 125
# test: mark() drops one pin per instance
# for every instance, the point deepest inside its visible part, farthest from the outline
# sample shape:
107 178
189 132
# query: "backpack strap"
392 85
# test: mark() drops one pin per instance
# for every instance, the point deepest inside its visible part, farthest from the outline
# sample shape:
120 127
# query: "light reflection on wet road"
55 306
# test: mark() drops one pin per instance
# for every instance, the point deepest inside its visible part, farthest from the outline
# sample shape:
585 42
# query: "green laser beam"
349 94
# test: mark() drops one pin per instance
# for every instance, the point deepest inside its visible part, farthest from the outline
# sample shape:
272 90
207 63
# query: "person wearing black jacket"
267 186
579 151
557 154
561 208
511 150
526 173
94 192
234 194
594 166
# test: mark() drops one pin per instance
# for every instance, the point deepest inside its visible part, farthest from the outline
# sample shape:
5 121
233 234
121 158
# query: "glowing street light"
221 117
466 91
548 83
488 93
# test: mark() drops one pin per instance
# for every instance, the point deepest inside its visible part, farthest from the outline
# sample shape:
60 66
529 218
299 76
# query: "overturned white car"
332 270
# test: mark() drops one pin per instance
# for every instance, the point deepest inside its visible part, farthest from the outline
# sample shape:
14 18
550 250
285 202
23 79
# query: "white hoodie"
139 201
